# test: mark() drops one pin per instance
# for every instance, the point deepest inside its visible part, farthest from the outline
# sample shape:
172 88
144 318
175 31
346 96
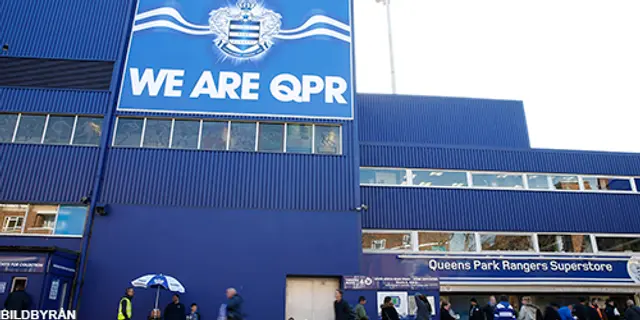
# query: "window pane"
129 132
299 138
427 178
565 243
637 181
446 242
157 133
88 131
243 136
271 137
601 183
383 176
185 134
618 244
538 182
30 128
497 180
41 219
386 241
327 139
7 126
12 217
502 242
71 220
565 182
214 135
59 130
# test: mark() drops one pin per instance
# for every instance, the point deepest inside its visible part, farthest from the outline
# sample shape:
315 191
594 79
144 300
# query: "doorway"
18 282
310 298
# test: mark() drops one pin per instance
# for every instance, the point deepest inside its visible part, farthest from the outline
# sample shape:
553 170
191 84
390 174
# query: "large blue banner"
241 57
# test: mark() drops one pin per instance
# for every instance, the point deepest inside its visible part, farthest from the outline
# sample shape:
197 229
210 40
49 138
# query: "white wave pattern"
285 34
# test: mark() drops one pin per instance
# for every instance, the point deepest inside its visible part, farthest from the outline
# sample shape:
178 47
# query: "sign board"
3 287
53 293
22 263
279 58
389 283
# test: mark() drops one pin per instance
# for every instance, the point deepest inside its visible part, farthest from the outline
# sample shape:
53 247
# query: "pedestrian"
424 310
361 313
566 312
18 300
388 310
194 314
611 310
125 305
234 305
594 311
341 308
581 310
490 308
445 311
475 313
175 310
504 310
528 311
551 312
632 312
155 315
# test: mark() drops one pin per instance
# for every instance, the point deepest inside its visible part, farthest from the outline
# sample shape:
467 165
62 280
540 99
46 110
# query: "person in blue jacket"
566 312
234 305
504 310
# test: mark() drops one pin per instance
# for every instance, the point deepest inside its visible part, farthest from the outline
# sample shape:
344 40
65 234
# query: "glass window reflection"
7 126
157 133
88 131
30 128
446 242
13 217
383 176
243 136
299 138
436 178
271 137
538 182
128 132
59 130
185 134
565 182
578 243
506 242
327 139
497 180
618 244
214 135
386 241
606 184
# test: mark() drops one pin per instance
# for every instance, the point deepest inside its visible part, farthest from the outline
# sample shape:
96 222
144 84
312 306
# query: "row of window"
469 242
228 135
50 129
42 219
490 180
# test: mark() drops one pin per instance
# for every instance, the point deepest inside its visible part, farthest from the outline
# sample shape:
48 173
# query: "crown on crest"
247 4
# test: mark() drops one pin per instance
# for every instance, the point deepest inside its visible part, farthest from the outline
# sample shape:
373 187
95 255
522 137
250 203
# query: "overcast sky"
574 63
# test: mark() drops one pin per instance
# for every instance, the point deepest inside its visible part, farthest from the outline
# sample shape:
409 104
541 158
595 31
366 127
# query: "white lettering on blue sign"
520 266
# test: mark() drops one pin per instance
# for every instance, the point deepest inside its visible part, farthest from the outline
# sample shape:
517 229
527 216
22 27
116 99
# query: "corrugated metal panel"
39 173
442 121
493 210
233 179
53 100
55 73
70 29
500 160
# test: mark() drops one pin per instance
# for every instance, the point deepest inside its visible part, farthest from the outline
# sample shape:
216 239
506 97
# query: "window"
185 134
299 138
157 133
12 224
446 241
41 219
618 244
30 128
386 241
565 182
243 136
128 132
12 216
383 176
577 243
637 182
538 182
497 180
327 139
506 242
214 135
431 178
59 130
7 126
88 131
602 183
271 137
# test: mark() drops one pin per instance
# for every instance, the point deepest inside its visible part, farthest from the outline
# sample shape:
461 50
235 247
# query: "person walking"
361 313
632 312
611 310
388 310
424 308
341 308
581 310
475 313
175 310
504 310
490 308
234 305
566 312
551 312
18 300
528 311
445 311
125 305
594 310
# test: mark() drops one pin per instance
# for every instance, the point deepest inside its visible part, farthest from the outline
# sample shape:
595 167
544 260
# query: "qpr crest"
633 268
246 30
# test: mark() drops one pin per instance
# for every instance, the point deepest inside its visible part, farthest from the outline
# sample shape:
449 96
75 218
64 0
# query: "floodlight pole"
387 4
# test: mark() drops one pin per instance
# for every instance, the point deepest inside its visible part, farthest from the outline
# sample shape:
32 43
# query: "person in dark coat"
388 310
594 310
445 311
581 310
175 310
490 308
18 300
611 310
551 312
475 313
234 305
632 312
424 308
341 308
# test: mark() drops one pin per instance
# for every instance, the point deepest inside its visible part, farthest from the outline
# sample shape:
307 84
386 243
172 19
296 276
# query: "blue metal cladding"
44 173
494 210
53 101
70 29
233 179
534 160
441 121
40 241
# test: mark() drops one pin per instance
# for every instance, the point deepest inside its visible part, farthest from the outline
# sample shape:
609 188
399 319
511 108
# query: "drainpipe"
107 128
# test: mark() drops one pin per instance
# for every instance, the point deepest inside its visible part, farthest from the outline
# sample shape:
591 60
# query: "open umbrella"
158 281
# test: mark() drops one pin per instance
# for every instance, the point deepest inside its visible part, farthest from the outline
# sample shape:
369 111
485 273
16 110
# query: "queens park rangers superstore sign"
282 58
